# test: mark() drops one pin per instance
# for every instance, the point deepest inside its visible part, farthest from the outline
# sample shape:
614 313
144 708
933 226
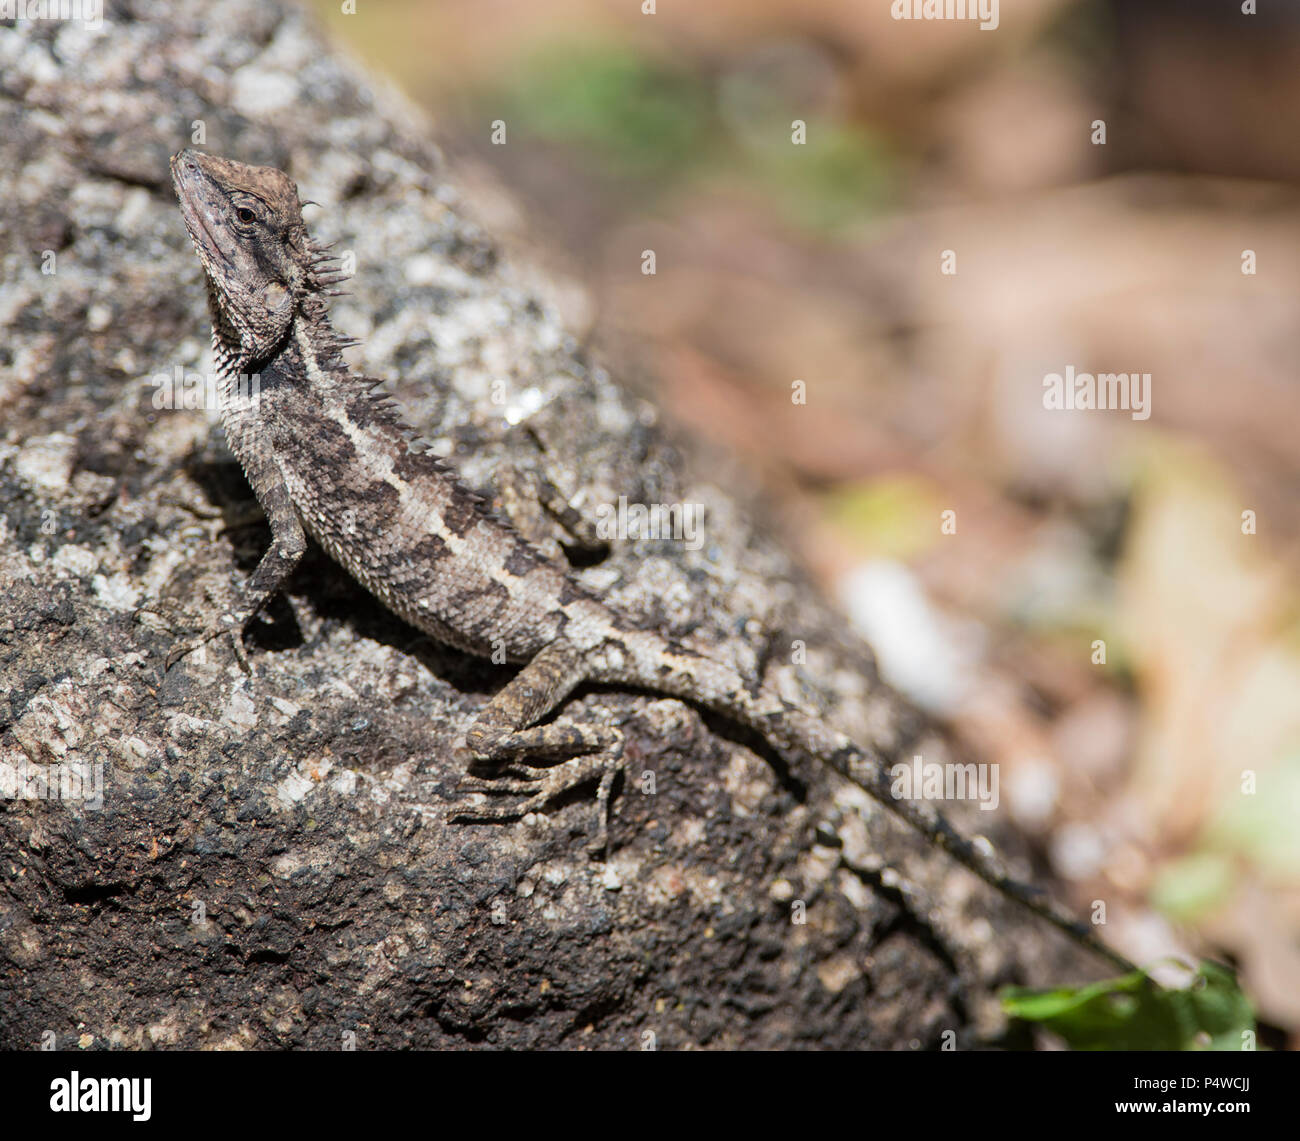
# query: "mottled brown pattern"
412 533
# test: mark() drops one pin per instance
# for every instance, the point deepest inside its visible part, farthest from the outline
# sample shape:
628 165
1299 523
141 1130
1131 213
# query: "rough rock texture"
272 864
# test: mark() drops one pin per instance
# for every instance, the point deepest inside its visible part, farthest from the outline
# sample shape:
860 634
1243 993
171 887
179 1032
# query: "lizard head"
247 228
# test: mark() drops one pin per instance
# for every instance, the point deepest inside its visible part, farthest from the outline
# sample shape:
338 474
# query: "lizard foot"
170 615
187 646
541 787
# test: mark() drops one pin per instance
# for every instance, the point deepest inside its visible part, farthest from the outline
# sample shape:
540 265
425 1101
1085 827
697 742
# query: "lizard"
329 457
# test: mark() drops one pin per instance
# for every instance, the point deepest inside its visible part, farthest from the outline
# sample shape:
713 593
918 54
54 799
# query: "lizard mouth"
193 190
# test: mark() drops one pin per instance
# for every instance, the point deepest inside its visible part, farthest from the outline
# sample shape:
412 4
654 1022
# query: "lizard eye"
245 215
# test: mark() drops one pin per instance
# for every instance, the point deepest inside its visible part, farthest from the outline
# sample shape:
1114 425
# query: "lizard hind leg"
508 730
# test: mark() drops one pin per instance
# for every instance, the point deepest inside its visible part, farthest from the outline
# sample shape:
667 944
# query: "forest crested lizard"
328 457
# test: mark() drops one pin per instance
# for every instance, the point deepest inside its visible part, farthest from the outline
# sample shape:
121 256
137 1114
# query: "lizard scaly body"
329 458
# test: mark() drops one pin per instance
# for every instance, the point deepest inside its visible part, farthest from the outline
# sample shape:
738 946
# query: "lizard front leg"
507 730
542 513
288 543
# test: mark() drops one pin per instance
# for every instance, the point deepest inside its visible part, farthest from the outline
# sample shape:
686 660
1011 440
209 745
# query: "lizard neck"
304 380
317 346
227 344
309 341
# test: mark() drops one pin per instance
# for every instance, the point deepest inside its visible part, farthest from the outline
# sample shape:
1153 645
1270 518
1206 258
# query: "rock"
268 861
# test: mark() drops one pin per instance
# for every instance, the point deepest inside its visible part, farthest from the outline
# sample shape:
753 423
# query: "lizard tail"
800 736
869 772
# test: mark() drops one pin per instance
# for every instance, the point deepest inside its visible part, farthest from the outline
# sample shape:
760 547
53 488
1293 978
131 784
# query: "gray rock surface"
272 864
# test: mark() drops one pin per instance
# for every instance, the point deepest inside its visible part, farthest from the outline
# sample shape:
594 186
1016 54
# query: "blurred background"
1114 620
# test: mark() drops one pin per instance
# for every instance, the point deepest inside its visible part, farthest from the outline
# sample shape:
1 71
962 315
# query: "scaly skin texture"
327 457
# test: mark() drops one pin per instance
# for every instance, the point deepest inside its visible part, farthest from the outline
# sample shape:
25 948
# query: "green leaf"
840 175
1133 1012
1188 888
634 115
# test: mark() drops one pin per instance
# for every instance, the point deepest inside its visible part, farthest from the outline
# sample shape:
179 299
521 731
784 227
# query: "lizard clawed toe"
187 646
494 786
545 786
